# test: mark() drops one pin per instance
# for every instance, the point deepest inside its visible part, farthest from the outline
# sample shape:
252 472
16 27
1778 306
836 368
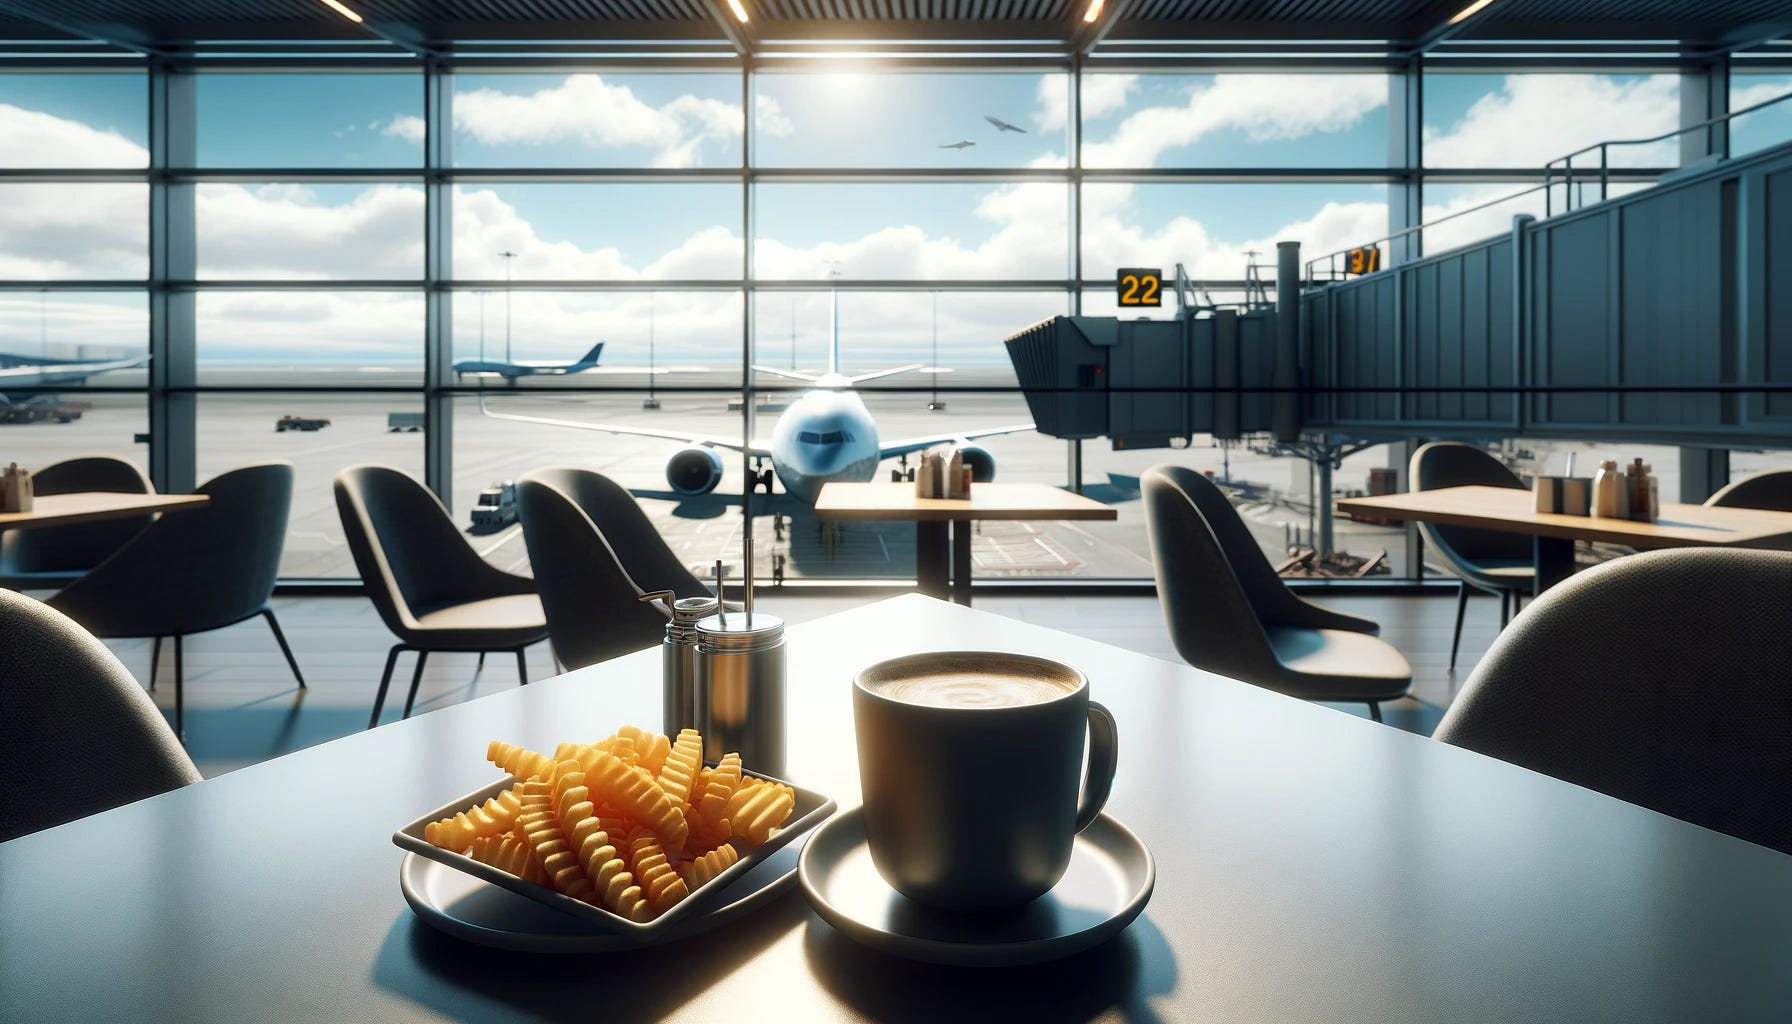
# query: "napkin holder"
16 494
1563 495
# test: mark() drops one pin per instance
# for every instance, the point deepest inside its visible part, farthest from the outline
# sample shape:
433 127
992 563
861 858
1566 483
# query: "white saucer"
469 908
1108 883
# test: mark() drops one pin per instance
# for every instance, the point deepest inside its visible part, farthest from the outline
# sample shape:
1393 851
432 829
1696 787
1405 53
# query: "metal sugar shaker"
740 683
678 658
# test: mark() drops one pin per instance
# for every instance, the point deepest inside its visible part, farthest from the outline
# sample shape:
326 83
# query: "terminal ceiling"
474 27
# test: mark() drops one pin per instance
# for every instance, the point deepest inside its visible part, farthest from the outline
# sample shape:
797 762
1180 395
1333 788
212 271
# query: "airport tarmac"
237 429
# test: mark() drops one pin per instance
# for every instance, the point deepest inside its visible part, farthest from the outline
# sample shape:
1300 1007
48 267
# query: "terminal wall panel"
1201 378
1152 354
1573 336
1671 295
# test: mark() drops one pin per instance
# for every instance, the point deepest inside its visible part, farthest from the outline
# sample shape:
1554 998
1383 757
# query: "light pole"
934 368
651 402
508 256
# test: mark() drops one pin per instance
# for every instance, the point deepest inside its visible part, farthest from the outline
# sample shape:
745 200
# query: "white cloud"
1533 119
61 230
283 231
1263 107
1102 95
584 108
35 139
769 118
1745 96
408 127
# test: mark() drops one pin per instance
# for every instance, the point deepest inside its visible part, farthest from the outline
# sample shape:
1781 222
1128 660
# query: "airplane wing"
914 444
863 377
707 441
789 374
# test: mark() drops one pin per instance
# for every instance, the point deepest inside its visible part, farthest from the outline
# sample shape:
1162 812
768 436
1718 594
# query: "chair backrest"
76 548
192 570
77 734
408 551
1769 489
1206 604
592 604
1658 678
619 517
1454 464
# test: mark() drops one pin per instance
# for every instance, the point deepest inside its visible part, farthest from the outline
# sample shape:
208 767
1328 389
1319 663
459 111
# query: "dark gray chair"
193 571
77 733
1229 613
1769 489
581 529
1657 678
49 557
431 588
1502 564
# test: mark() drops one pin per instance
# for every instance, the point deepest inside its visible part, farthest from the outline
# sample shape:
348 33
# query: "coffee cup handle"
1104 757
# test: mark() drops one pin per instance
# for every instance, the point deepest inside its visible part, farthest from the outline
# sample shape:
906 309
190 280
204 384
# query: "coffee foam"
992 682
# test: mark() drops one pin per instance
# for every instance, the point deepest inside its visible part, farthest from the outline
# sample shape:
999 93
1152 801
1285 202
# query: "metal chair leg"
1374 711
481 666
522 668
1461 607
180 727
155 660
1505 608
379 699
416 678
280 638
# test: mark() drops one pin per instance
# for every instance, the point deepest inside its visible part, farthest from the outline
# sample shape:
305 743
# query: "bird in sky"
960 144
1002 125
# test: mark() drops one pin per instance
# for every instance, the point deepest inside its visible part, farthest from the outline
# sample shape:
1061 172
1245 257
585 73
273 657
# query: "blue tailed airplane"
511 371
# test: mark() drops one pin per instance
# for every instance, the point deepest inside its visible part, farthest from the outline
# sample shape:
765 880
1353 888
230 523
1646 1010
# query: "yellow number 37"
1138 286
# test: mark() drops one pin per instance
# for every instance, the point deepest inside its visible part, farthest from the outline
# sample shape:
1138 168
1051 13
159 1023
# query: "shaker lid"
760 627
691 609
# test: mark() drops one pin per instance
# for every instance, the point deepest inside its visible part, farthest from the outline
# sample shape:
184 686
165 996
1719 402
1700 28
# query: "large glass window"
310 120
1763 128
1235 120
74 230
1530 119
866 119
274 231
685 231
88 120
593 119
323 338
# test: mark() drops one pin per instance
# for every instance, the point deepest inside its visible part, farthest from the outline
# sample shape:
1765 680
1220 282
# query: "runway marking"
503 538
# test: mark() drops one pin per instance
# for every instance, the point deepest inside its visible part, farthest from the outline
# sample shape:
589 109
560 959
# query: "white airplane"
827 434
1003 126
37 371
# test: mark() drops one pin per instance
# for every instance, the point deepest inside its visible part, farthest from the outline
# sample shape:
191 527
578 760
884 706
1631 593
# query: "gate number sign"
1364 260
1139 286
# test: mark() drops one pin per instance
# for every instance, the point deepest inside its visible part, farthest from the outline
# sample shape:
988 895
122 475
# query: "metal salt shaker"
740 683
678 655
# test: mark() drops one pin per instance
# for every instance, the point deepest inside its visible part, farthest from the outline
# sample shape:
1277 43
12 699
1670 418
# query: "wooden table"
89 506
1512 510
1312 866
940 570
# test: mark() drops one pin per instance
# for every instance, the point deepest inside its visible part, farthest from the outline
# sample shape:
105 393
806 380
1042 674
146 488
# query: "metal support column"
1705 94
1415 542
173 367
438 302
1074 469
1406 89
1322 498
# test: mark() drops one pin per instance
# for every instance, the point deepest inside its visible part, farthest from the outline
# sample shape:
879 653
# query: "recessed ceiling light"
740 11
1467 12
1094 10
336 6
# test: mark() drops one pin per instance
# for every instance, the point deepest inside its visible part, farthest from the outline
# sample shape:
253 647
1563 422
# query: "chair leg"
481 666
180 725
280 638
522 668
416 678
379 699
1461 607
155 660
1505 608
1374 711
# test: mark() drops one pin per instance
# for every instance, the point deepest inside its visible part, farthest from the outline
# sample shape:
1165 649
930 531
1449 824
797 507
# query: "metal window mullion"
438 255
173 367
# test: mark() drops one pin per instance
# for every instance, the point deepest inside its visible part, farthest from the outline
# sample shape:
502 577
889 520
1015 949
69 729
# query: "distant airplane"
1002 125
960 144
827 434
511 371
37 371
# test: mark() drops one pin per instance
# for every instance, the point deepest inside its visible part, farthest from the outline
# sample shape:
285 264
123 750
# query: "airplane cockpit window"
826 437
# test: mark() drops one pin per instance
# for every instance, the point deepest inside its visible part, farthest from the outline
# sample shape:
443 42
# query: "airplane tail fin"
590 358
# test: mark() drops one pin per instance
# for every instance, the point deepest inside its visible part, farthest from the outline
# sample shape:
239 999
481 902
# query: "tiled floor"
242 705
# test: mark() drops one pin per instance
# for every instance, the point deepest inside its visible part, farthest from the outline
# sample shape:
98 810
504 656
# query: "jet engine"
694 470
983 464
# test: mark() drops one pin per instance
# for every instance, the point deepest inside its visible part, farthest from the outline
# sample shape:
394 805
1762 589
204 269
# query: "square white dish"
811 809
